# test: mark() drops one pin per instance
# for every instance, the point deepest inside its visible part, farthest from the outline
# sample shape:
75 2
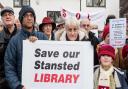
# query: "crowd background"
14 31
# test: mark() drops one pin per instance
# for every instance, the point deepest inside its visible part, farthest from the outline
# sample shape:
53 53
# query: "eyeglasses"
85 25
7 14
28 15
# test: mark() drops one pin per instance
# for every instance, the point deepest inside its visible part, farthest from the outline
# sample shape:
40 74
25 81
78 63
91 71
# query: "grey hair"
72 21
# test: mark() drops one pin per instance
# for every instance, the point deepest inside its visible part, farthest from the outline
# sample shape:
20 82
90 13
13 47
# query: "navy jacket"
13 57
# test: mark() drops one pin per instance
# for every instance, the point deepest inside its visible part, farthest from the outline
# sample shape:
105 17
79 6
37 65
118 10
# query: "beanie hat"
6 9
24 10
47 20
105 31
125 51
106 49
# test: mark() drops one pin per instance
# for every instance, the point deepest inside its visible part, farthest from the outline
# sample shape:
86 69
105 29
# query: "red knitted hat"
105 31
106 50
125 51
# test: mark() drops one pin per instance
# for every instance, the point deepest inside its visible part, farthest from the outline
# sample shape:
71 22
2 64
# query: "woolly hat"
24 10
47 20
106 49
105 31
125 51
6 9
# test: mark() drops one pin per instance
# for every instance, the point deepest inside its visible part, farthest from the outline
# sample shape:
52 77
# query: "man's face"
72 32
28 20
47 29
8 18
85 24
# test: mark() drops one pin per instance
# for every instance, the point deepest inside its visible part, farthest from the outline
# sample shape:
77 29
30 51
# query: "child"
106 76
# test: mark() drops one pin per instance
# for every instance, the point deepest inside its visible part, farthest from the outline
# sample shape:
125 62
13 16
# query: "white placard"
117 32
57 65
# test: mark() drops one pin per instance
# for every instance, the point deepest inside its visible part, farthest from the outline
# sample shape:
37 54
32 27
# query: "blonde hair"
72 21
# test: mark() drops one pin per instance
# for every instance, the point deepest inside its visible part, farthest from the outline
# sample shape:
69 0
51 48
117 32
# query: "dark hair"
109 17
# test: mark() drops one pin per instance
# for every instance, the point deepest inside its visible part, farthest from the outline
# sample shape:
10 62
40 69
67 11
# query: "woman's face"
47 29
72 32
106 60
107 39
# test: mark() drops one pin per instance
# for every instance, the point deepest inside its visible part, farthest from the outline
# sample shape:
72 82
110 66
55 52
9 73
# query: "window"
96 3
53 14
20 3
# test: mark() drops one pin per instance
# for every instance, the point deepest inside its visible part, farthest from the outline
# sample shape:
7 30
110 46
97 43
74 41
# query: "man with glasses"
9 30
14 52
85 24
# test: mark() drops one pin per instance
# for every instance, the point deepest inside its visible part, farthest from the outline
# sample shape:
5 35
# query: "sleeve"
42 36
11 66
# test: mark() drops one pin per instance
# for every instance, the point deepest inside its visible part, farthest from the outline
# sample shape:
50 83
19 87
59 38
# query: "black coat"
94 41
5 37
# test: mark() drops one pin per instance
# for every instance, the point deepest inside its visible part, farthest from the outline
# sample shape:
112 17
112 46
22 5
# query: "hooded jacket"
13 57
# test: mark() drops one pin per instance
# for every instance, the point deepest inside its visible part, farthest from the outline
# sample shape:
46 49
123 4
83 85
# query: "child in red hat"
106 76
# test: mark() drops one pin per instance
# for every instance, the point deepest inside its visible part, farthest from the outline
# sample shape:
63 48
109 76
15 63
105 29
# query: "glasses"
85 25
7 14
28 15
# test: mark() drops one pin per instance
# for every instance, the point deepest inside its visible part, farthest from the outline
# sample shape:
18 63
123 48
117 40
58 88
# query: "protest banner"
57 65
117 32
98 18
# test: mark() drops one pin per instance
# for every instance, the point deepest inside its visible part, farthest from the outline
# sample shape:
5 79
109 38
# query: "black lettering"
37 64
37 51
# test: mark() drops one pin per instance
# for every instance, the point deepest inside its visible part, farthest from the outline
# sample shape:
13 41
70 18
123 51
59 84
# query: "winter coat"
5 37
119 77
13 57
61 35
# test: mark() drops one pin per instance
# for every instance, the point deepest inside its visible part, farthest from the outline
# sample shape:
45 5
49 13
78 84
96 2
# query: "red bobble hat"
47 20
105 31
125 51
106 50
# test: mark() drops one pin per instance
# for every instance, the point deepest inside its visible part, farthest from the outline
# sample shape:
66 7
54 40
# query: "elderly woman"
47 27
71 32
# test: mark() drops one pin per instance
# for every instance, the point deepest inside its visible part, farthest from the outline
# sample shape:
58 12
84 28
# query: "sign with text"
117 32
57 65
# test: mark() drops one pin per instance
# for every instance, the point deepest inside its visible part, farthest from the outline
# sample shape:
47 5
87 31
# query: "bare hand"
32 38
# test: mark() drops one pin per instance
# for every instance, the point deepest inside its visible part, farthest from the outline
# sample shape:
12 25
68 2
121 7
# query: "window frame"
92 4
52 15
20 3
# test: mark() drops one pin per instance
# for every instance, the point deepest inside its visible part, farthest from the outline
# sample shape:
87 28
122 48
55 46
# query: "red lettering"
61 79
68 78
75 77
47 78
35 79
42 76
54 78
78 16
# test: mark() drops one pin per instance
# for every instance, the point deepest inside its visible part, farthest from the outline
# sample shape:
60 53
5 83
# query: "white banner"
57 65
98 18
117 32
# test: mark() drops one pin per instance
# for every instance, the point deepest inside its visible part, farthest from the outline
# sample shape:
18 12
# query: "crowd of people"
110 64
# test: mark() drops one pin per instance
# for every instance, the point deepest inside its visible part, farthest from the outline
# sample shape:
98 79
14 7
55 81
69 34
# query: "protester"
85 24
14 52
71 32
60 23
106 76
125 58
1 26
47 27
9 30
108 18
118 62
